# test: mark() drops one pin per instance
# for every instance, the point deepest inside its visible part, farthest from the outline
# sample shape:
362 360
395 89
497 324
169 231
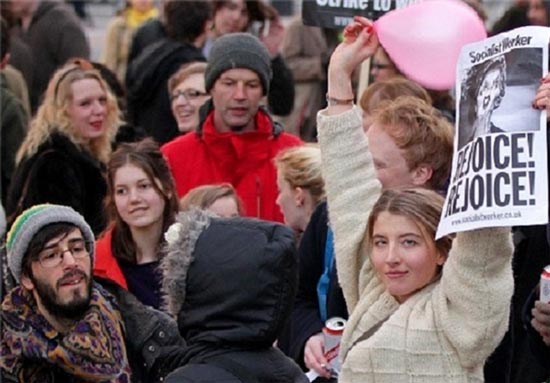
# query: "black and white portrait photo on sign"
499 170
496 95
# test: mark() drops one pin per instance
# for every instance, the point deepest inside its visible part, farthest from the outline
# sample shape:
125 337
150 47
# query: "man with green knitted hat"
57 324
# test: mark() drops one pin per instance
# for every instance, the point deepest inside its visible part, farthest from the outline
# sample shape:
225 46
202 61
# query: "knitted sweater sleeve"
352 189
472 304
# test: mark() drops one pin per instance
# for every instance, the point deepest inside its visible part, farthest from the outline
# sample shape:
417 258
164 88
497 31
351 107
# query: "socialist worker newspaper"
499 173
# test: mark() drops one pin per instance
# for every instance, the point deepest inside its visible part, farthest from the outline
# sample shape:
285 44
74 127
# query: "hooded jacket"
231 284
63 173
245 160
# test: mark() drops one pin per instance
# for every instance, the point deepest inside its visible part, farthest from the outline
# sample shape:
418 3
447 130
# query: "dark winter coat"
13 126
149 105
231 283
539 349
305 319
54 36
280 99
63 173
147 34
514 356
149 334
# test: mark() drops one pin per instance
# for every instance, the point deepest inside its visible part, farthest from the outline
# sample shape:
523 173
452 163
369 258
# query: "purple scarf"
33 351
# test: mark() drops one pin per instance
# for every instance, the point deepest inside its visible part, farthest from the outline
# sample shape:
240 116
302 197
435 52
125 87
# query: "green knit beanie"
30 222
238 50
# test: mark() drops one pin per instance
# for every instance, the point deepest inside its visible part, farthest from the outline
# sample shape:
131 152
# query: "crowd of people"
167 217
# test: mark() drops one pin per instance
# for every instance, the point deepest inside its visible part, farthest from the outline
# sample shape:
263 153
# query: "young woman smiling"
63 156
142 203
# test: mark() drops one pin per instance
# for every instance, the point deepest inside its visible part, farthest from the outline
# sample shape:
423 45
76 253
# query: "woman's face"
88 108
404 259
225 207
537 13
288 202
137 201
382 68
187 98
488 92
231 17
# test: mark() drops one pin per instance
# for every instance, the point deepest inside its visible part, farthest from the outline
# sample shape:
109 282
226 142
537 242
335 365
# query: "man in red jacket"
237 140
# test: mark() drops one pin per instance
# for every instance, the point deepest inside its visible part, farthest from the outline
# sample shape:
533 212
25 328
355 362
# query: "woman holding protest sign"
439 312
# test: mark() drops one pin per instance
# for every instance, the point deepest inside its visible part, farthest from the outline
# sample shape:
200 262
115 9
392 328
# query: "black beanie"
238 50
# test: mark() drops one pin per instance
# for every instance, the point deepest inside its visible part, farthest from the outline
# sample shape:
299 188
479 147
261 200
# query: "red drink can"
545 285
332 332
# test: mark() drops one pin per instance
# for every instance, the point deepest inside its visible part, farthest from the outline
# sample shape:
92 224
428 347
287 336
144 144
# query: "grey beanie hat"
30 222
238 50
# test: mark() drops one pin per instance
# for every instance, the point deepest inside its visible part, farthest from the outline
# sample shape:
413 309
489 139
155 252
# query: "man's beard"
72 310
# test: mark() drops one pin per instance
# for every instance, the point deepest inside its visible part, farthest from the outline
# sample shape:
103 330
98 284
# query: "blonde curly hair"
52 115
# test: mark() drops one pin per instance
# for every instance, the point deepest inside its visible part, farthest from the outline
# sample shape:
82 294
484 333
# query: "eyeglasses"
380 66
189 94
78 248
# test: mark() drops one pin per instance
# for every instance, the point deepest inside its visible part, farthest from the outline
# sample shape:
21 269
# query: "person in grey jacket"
53 34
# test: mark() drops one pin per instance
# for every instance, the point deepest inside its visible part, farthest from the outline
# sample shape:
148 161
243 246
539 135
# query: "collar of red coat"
264 127
240 153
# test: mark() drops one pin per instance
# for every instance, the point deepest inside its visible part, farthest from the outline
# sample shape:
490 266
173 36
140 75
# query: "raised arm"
351 184
474 297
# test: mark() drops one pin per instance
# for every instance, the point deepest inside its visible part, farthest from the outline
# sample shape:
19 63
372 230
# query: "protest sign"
500 162
339 13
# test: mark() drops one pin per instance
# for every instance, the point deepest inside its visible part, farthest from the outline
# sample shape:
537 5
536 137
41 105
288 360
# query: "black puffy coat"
305 319
149 334
63 173
231 283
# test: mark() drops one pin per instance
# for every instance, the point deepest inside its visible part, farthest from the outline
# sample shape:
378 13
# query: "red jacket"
106 265
243 159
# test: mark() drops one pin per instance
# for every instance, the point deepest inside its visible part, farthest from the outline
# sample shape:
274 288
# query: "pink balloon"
424 40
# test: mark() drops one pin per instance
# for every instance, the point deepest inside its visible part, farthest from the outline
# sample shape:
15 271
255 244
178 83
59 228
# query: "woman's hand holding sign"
542 97
360 42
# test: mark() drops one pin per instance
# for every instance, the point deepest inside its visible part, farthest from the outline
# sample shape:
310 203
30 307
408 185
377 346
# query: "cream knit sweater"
445 331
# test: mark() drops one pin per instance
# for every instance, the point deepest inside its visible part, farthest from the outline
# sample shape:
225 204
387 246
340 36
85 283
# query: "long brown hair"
145 155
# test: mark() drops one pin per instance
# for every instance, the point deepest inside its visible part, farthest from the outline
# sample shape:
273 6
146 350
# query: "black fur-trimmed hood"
229 281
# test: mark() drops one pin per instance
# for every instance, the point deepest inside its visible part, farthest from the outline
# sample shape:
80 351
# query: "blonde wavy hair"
300 166
52 115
